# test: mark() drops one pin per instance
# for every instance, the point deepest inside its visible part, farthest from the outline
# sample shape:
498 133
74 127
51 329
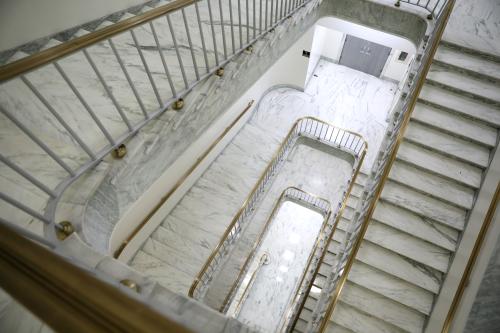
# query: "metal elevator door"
364 56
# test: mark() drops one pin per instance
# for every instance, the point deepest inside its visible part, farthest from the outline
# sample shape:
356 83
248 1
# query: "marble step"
385 286
335 328
472 63
429 183
439 164
460 83
359 321
454 124
424 205
391 287
161 272
407 245
443 143
174 257
416 225
460 104
396 265
382 308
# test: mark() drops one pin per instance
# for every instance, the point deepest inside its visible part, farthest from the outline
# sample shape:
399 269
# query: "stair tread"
166 275
461 104
463 82
400 267
442 165
382 308
418 226
432 184
435 140
408 246
176 258
468 61
424 205
391 287
359 322
456 124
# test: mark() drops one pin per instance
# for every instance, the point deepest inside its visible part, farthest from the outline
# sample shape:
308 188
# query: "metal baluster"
271 16
213 32
282 13
265 15
240 33
146 67
222 29
88 108
254 26
232 25
164 62
36 140
24 208
276 12
57 116
248 23
27 176
127 76
203 46
177 52
195 65
260 16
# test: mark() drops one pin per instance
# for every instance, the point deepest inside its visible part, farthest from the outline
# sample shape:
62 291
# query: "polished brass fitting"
64 229
219 72
120 152
249 49
178 104
398 3
131 285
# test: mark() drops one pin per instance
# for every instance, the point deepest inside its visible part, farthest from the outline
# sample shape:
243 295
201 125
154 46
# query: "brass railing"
307 127
240 23
68 298
472 260
331 292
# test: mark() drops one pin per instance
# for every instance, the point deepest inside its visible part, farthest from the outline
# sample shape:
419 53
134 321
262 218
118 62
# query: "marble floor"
178 248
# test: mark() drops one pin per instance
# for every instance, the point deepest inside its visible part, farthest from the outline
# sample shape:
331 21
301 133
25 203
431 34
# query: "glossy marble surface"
350 99
289 241
476 25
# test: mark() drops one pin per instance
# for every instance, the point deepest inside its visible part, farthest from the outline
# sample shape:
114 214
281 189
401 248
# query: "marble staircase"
424 206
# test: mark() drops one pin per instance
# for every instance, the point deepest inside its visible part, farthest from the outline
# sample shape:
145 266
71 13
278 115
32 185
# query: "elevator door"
364 56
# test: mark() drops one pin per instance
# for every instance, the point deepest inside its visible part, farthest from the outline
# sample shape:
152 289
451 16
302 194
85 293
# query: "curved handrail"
434 7
59 51
310 127
291 193
354 242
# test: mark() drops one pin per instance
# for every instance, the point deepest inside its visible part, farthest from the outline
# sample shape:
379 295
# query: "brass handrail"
49 55
472 260
387 168
68 298
181 180
284 196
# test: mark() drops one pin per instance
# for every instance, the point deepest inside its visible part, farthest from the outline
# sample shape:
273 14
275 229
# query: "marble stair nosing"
448 145
394 264
420 227
424 205
408 246
459 104
161 272
433 185
455 81
359 321
439 164
455 125
382 308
